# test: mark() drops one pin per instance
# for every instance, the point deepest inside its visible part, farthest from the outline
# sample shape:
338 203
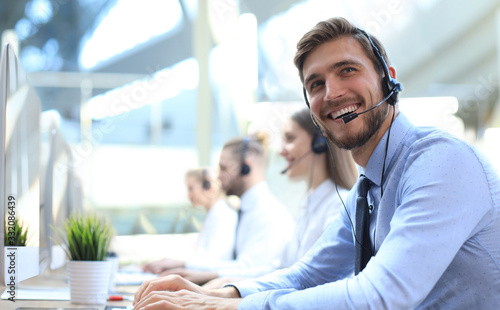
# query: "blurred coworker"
306 152
265 226
216 238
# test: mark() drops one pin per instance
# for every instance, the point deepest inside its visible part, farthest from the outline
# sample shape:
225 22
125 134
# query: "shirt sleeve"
335 246
435 215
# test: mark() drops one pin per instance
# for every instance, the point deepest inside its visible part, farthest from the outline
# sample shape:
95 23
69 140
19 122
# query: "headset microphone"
296 162
352 116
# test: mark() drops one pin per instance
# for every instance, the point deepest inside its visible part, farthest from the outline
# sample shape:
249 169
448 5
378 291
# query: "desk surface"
130 249
8 305
56 279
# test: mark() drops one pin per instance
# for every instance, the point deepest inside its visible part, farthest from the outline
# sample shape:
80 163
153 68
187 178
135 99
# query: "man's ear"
392 72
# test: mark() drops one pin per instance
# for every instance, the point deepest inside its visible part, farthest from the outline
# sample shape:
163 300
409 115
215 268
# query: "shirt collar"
400 127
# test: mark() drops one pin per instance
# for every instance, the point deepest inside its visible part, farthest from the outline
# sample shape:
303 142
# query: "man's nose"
333 90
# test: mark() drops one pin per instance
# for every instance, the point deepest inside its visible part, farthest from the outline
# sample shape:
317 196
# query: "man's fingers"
153 300
140 291
160 305
184 299
168 283
148 286
175 271
165 299
155 267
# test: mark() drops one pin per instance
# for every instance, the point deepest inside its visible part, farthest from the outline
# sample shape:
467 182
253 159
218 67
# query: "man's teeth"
347 110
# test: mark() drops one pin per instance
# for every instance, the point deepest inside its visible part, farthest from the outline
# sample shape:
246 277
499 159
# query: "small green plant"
15 233
86 237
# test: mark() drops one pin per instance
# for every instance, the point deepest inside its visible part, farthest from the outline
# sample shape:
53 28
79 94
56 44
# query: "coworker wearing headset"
216 237
306 152
265 226
434 200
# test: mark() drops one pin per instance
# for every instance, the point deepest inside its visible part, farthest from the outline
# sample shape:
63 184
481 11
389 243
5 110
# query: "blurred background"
144 90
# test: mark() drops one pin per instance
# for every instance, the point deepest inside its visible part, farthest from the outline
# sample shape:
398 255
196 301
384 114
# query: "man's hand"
162 265
168 283
195 276
173 292
185 299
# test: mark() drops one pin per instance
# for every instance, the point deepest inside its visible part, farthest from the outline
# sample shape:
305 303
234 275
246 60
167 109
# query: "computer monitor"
58 189
19 168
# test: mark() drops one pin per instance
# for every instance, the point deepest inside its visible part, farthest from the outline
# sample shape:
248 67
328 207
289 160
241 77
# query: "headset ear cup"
389 84
386 87
245 169
319 144
206 184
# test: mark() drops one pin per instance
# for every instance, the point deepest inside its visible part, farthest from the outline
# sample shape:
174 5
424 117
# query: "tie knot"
363 185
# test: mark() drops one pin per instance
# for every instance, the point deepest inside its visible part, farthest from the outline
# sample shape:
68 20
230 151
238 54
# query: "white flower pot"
89 281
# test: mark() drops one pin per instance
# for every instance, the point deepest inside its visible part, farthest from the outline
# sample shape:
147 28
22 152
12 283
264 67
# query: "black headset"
245 169
319 143
389 84
205 182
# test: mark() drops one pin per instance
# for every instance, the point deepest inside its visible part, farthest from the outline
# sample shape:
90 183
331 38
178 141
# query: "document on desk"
36 293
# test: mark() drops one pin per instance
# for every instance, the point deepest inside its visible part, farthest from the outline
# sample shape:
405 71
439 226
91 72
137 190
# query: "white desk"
56 279
134 249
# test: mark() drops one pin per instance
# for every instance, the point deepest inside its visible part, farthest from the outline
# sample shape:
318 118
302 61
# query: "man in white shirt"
265 226
217 236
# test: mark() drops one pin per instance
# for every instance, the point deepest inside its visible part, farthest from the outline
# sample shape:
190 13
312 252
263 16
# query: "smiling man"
428 201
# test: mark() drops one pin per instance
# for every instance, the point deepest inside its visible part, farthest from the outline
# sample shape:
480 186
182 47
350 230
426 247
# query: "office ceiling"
162 52
176 46
436 59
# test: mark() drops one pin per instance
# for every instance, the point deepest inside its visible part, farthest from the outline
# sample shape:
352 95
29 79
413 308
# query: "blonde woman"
216 238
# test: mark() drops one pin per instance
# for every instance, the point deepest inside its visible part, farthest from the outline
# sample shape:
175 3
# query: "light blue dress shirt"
435 231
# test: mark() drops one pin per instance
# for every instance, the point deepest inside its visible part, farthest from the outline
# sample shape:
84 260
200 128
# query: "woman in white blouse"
216 238
308 157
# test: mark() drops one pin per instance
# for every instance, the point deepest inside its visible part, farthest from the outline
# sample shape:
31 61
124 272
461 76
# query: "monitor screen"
57 189
19 172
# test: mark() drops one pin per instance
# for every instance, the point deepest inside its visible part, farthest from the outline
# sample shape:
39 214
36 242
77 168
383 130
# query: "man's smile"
343 112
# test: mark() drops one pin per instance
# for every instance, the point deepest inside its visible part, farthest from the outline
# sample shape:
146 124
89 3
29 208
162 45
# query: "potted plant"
15 234
86 239
21 260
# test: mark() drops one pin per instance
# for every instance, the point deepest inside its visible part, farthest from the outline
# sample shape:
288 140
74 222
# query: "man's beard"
235 187
373 121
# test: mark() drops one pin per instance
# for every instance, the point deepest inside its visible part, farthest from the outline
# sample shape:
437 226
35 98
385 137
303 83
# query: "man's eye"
315 84
349 70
